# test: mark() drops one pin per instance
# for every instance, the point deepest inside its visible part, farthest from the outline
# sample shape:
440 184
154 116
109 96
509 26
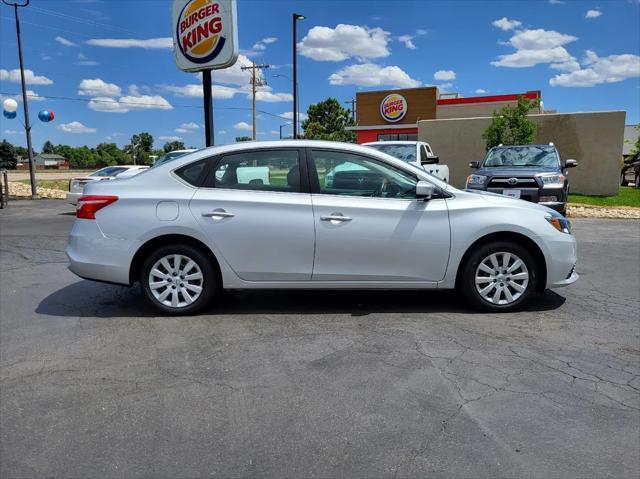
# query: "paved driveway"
315 384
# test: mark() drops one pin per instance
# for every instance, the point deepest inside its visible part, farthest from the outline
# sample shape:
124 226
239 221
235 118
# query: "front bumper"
533 195
561 257
565 282
73 197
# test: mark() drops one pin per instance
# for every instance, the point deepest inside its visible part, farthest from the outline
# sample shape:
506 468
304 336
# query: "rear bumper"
92 255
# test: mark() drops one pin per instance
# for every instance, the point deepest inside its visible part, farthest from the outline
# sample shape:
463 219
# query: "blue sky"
99 55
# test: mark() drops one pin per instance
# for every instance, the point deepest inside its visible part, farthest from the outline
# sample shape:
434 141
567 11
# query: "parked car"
418 153
172 155
529 172
630 172
184 232
77 184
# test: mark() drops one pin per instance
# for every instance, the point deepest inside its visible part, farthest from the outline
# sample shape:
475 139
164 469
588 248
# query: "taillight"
89 205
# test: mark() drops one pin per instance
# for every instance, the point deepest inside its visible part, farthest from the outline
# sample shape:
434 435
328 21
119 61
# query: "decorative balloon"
46 115
10 105
10 115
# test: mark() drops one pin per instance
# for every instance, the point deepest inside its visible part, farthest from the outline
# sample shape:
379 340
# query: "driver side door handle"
335 218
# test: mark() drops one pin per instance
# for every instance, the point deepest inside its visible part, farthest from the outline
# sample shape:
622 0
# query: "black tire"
467 284
209 283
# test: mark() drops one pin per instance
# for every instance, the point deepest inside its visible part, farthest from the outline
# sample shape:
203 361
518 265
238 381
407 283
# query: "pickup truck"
418 153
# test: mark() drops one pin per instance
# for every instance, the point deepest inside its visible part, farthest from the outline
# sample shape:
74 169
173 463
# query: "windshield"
109 171
531 155
405 153
169 157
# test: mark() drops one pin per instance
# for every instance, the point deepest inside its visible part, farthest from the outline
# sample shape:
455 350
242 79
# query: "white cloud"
30 78
75 127
243 126
445 87
538 46
182 131
147 44
130 102
234 75
539 39
408 39
596 70
83 60
370 74
269 40
65 42
592 14
98 87
12 132
222 132
444 75
480 91
169 138
218 92
343 42
529 58
505 24
556 2
288 115
268 96
192 125
32 96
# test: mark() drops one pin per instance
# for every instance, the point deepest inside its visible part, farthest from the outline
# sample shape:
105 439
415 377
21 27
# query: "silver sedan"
263 215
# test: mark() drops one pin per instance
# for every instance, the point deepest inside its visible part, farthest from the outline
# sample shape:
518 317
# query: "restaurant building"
394 114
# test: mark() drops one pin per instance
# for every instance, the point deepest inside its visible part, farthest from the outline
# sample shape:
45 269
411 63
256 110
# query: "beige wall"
594 139
471 110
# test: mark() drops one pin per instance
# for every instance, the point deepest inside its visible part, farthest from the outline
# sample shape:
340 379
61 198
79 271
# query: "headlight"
476 179
552 180
559 222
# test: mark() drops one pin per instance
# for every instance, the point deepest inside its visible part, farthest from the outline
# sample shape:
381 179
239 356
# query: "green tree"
172 146
140 148
511 126
7 155
48 147
243 138
328 120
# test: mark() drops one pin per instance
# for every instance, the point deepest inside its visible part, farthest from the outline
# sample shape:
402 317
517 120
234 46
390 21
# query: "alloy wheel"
176 280
501 278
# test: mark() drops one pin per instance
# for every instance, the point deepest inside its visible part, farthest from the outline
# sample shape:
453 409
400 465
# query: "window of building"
398 137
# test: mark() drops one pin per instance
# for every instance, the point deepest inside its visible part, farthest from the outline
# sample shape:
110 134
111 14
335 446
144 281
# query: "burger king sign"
393 108
205 34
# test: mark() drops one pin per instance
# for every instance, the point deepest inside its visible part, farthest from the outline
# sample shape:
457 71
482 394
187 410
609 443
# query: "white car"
184 232
418 153
77 184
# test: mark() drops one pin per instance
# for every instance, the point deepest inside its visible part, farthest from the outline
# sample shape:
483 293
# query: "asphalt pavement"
315 384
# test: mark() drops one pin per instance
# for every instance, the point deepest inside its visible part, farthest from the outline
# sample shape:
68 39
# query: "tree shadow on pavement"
91 299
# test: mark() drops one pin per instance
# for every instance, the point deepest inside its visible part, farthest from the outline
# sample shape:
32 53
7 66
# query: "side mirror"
430 160
570 164
474 164
424 190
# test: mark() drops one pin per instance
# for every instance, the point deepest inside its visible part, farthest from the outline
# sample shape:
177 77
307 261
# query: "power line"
84 21
87 100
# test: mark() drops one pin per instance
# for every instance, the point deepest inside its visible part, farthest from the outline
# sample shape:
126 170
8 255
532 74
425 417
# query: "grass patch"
627 196
62 185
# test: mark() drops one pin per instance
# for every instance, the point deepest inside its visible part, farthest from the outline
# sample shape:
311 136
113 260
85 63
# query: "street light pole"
27 125
296 17
282 126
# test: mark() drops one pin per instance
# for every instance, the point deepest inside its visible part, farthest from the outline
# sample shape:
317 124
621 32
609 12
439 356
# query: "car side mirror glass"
570 164
424 190
474 164
430 160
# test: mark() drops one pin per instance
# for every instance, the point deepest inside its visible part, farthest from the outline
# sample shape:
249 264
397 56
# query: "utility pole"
352 102
255 82
27 125
296 17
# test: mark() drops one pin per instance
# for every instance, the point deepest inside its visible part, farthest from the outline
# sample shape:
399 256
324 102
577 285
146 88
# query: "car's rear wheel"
178 279
499 277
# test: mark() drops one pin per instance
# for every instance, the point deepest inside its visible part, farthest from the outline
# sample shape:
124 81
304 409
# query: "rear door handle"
335 218
218 214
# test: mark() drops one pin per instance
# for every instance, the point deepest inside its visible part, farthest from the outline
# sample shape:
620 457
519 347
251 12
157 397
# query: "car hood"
498 199
515 171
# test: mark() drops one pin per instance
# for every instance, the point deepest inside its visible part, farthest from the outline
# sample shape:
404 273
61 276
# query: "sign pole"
208 107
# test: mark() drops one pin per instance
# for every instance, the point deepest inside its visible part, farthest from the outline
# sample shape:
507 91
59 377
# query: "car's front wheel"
499 277
178 279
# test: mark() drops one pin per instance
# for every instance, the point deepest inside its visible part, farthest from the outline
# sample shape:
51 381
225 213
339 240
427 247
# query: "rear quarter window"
194 173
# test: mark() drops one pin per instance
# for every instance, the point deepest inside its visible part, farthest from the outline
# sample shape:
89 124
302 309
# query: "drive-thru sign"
205 34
